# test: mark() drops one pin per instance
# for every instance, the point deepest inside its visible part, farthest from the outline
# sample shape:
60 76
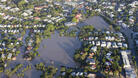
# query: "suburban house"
98 43
94 48
103 44
70 24
109 44
9 56
3 0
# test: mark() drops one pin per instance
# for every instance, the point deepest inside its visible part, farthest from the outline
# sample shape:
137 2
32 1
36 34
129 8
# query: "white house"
14 49
25 14
114 45
9 56
109 44
125 59
91 38
3 0
125 45
108 63
112 38
70 24
98 43
96 38
93 42
90 61
107 32
103 44
94 48
3 56
120 44
119 10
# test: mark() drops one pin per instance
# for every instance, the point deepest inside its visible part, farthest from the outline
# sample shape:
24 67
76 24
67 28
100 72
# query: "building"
94 48
90 61
125 59
91 76
109 44
129 71
114 45
74 4
3 0
98 43
103 44
70 24
9 56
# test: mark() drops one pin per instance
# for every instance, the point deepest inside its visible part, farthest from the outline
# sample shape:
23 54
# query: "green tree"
74 19
117 28
76 57
21 3
62 69
50 27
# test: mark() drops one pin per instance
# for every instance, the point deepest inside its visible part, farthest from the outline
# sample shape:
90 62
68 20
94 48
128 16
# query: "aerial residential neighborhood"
68 39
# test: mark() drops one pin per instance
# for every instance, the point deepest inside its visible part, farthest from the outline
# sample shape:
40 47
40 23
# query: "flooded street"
95 21
58 49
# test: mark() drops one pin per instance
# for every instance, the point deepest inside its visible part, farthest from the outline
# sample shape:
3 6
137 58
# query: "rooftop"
125 59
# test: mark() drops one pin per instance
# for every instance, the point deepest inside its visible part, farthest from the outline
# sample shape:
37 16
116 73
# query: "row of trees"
9 73
21 74
47 72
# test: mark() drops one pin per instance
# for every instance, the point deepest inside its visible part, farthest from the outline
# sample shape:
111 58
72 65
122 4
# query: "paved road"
127 32
96 21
